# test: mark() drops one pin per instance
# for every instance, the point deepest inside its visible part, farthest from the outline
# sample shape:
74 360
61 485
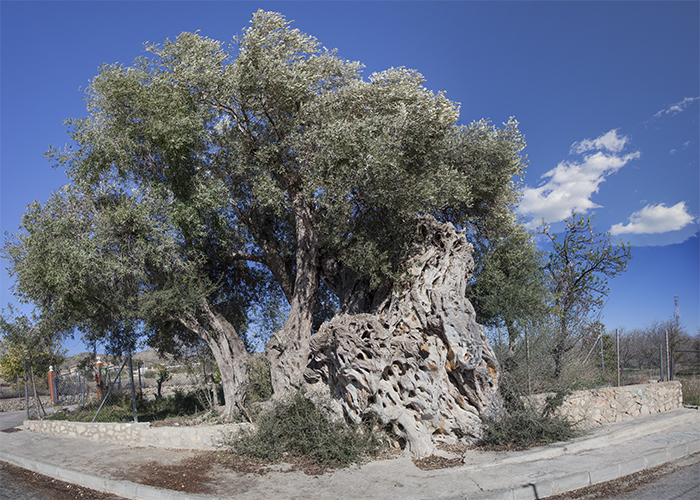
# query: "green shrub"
525 428
299 428
524 424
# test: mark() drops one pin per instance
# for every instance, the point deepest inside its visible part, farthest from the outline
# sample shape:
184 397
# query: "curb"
539 489
126 489
582 479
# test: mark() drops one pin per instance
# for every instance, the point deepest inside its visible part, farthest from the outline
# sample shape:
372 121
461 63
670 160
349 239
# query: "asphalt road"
684 484
10 419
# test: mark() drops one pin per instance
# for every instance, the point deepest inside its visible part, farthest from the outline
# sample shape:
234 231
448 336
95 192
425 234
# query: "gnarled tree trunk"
419 361
229 352
288 349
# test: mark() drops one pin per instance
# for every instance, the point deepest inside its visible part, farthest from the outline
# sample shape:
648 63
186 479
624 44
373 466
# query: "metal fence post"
133 389
57 402
26 393
668 360
138 367
617 342
527 360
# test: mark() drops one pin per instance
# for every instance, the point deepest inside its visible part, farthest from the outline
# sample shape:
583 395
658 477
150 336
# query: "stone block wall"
605 405
139 434
19 404
592 408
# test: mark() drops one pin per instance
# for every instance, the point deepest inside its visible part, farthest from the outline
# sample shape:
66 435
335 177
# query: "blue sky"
606 93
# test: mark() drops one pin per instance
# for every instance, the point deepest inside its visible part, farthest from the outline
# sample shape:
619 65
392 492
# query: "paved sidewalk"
605 454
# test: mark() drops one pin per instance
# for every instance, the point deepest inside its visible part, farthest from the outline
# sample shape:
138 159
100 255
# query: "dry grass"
691 390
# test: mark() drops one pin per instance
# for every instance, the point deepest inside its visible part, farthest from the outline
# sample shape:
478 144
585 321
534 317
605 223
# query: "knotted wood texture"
420 362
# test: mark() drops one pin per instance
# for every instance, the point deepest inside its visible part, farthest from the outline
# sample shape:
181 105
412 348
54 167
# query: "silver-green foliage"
285 115
208 179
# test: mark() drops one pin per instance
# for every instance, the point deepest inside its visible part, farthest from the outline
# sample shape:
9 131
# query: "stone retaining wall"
139 434
19 404
605 405
592 408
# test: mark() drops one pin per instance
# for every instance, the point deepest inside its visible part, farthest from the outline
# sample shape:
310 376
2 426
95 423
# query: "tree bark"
229 352
288 349
355 296
419 362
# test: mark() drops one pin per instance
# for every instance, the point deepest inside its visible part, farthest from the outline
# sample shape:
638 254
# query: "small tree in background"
580 264
27 344
163 376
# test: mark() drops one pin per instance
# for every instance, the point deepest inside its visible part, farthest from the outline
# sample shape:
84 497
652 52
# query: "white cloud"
655 219
610 141
677 108
570 186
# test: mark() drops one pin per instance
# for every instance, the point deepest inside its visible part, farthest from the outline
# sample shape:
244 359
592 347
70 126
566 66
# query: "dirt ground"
54 489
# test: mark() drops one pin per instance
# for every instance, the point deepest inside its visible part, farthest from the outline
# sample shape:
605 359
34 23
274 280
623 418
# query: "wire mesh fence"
116 392
592 358
107 392
123 391
74 388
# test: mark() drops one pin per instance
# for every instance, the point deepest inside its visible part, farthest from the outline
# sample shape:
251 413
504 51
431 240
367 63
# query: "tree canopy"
209 180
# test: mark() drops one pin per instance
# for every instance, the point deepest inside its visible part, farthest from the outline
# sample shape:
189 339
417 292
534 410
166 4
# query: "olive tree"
270 159
510 286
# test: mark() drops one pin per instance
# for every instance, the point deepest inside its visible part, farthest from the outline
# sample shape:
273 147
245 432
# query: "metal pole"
661 361
602 357
55 391
668 364
133 389
527 358
617 342
26 394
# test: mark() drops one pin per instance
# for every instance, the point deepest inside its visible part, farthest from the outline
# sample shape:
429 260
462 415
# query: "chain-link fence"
108 393
591 358
75 388
116 392
123 391
35 396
